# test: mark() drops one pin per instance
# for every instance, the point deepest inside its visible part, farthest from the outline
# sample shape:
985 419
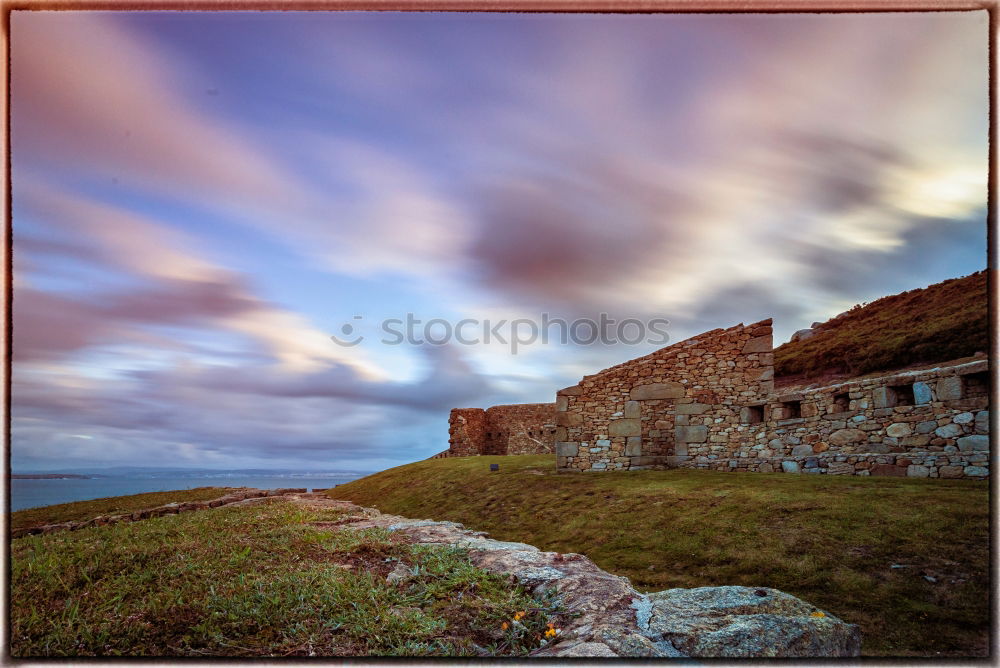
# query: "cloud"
176 286
86 92
450 381
572 240
238 414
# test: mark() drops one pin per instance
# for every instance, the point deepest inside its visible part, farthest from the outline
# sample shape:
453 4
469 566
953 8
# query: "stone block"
843 437
883 397
926 427
915 471
950 430
922 393
669 390
568 419
963 418
840 468
790 467
977 471
983 422
633 446
625 427
633 409
977 443
950 472
566 449
802 450
761 374
898 430
692 434
765 468
681 449
691 409
562 403
758 344
572 391
809 409
888 469
811 463
949 388
561 434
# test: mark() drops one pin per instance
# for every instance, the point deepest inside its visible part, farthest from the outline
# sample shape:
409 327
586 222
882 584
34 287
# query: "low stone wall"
927 423
514 429
237 497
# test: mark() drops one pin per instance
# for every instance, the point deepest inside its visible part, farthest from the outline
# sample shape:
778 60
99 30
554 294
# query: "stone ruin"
710 402
514 429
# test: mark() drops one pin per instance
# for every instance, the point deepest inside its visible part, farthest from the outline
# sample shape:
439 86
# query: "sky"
200 200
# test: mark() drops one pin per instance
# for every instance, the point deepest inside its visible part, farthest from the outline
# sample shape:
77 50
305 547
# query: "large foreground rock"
609 618
747 622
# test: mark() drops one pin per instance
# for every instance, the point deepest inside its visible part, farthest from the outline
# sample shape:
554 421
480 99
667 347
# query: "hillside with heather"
942 322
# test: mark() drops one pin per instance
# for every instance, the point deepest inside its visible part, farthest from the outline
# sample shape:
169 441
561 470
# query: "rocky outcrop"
803 334
609 618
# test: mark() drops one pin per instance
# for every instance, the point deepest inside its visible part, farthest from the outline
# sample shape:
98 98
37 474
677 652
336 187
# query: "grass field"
257 581
113 505
830 540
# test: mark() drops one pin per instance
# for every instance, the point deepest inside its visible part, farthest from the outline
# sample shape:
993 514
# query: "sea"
31 493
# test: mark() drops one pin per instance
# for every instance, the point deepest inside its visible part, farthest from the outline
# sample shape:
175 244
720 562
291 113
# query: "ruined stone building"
514 429
710 402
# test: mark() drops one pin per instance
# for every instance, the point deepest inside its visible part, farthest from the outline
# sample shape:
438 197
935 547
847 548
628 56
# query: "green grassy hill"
935 324
830 540
268 580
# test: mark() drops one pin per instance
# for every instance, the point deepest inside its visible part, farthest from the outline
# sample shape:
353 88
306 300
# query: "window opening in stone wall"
903 394
841 402
791 409
755 414
976 384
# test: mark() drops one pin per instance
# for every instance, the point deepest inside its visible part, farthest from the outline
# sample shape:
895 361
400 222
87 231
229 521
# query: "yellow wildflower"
518 615
551 632
818 614
504 626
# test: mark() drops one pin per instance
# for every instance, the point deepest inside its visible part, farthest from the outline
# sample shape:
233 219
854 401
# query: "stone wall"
709 402
647 412
514 429
926 423
466 432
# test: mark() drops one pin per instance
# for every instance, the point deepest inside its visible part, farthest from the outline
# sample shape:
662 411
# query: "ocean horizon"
33 493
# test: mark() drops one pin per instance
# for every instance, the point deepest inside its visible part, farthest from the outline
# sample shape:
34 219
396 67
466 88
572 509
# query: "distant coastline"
48 476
